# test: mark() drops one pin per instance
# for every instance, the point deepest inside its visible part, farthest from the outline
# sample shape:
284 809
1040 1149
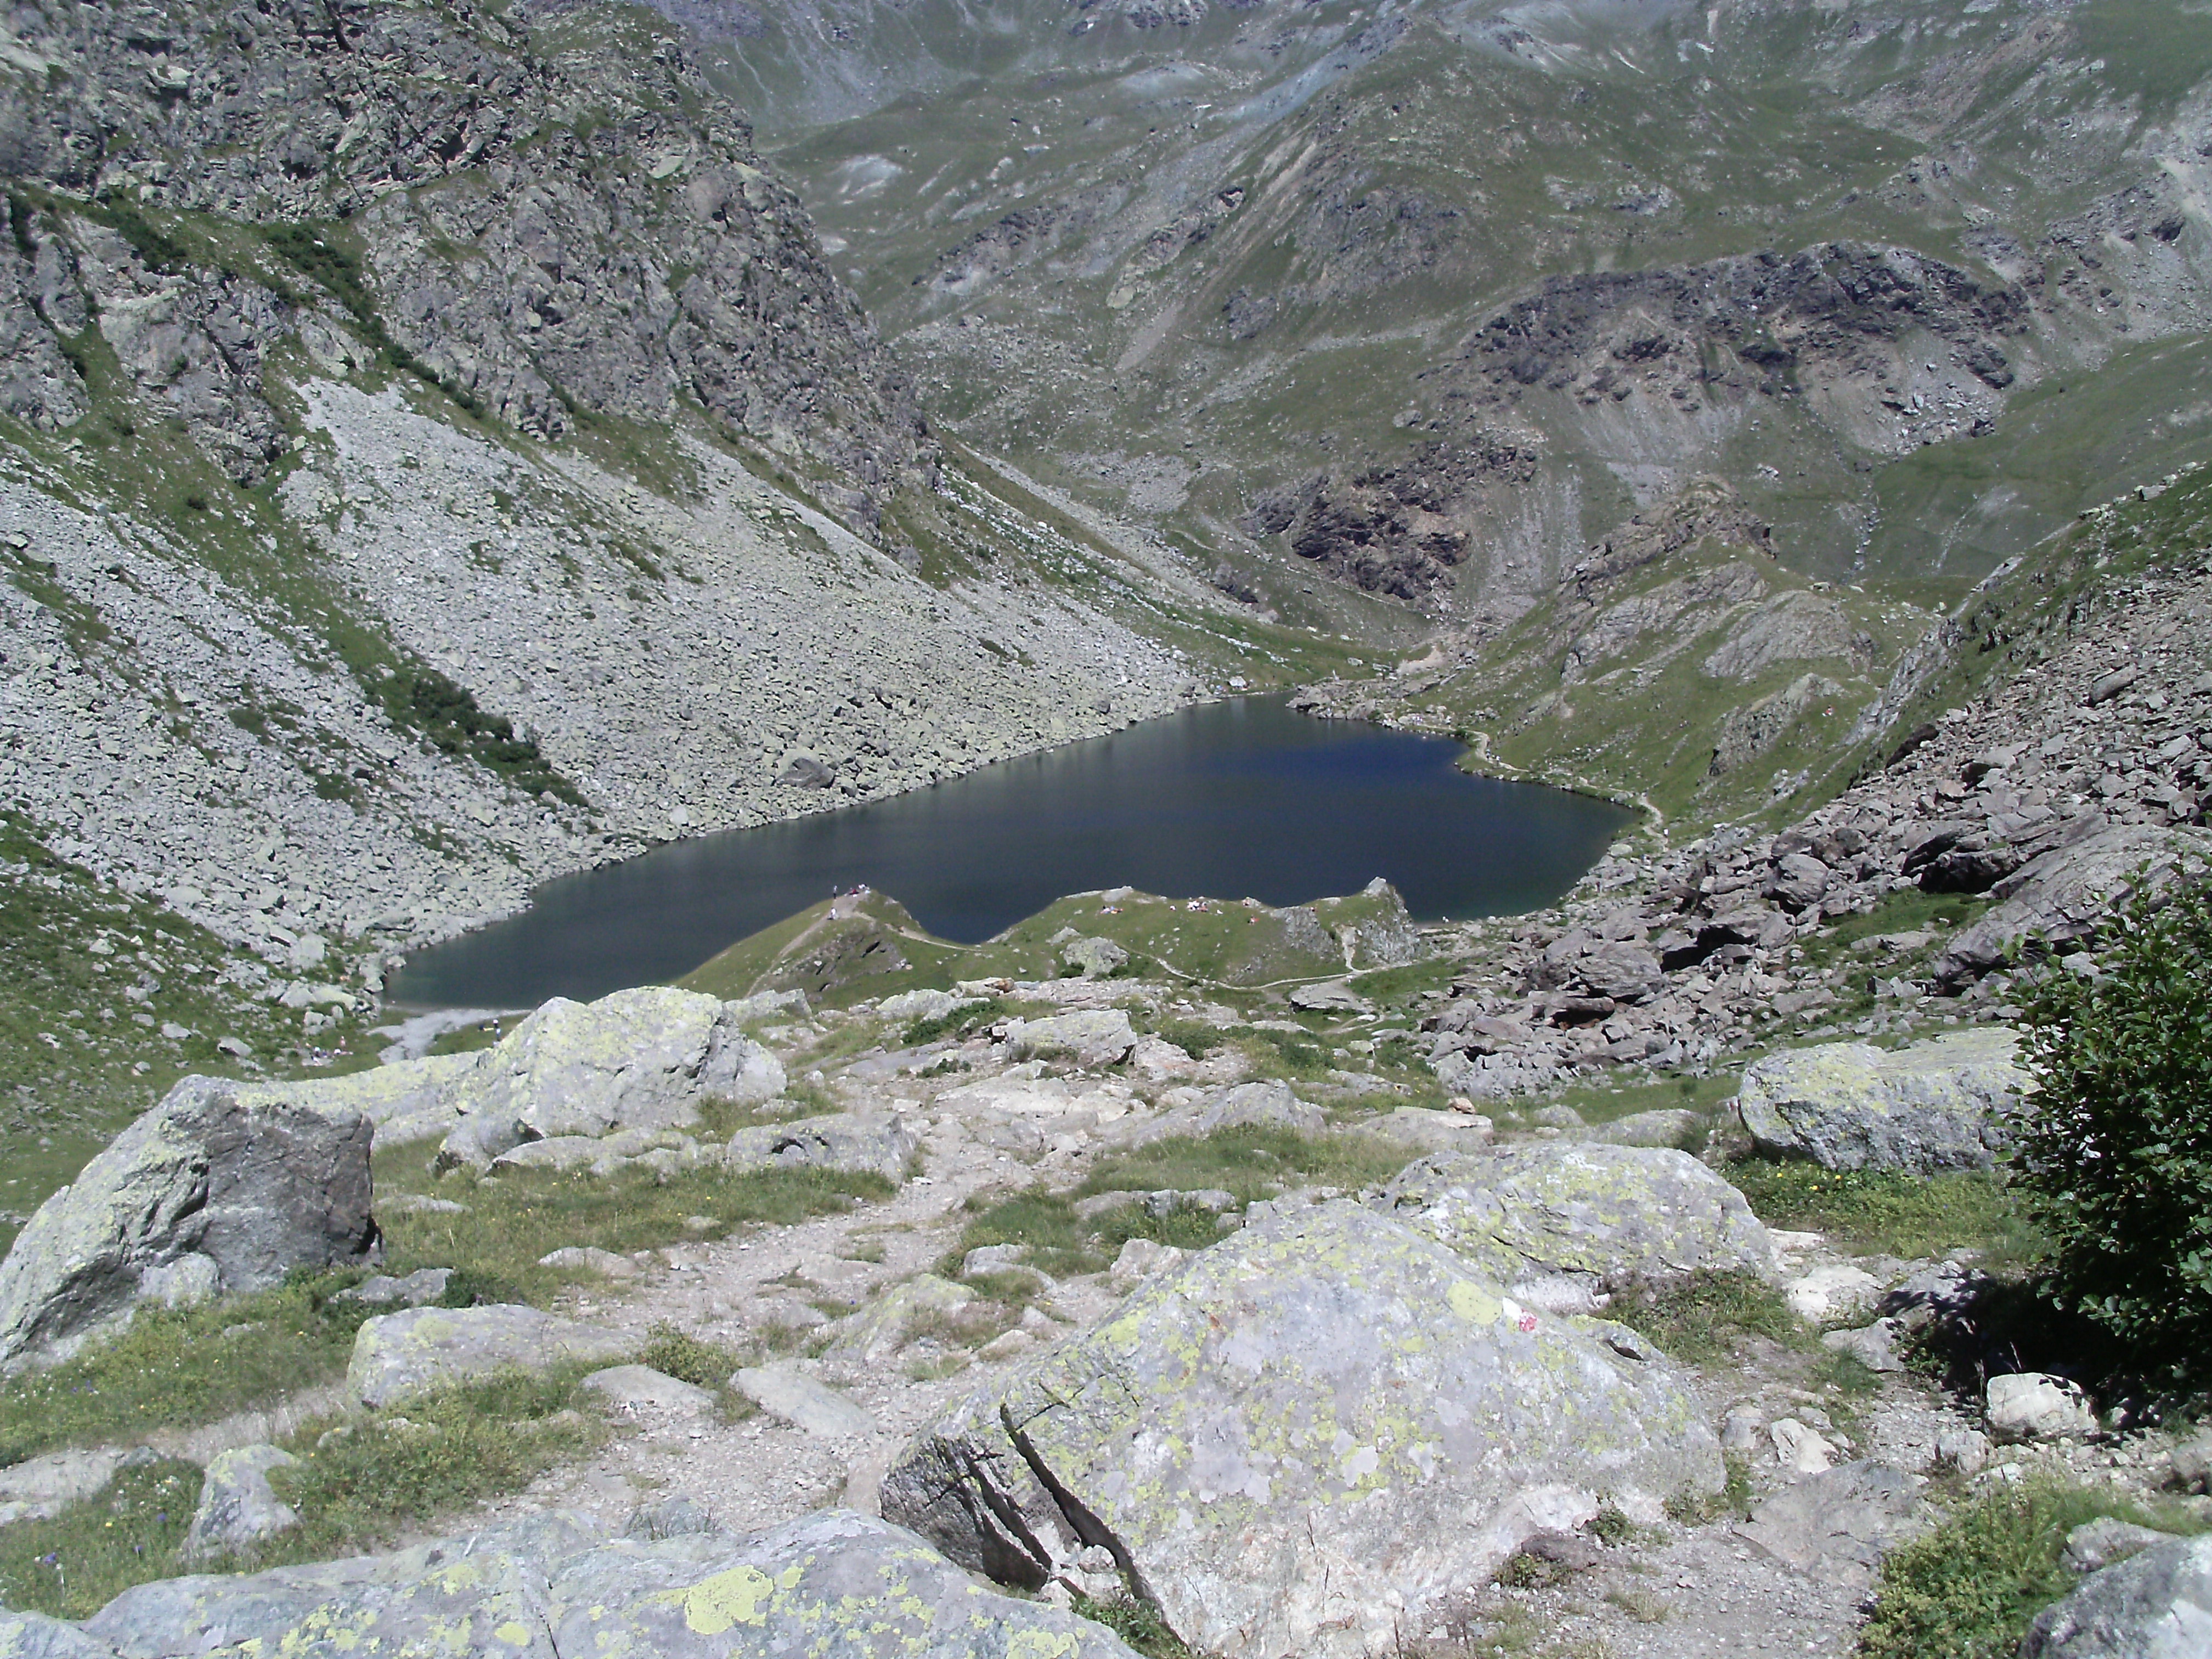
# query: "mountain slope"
1426 297
434 455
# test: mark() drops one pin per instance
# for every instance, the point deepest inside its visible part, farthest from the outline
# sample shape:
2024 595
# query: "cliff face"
543 212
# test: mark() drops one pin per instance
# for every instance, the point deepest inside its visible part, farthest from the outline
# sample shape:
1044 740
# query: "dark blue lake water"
1230 800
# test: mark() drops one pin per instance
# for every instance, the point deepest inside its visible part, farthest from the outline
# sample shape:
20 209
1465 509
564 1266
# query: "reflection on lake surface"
1232 799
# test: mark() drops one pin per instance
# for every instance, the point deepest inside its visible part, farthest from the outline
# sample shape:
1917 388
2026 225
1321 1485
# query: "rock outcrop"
1562 1223
401 1354
833 1584
2057 902
1925 1108
641 1060
854 1143
2155 1605
238 1509
205 1194
1302 1440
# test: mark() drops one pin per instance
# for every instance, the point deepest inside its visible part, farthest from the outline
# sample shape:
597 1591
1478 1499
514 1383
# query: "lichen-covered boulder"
408 1100
832 1585
1095 1036
852 1143
34 1635
1927 1108
639 1058
205 1190
2062 898
1264 1105
238 1508
1304 1440
406 1353
1561 1223
2155 1605
1094 959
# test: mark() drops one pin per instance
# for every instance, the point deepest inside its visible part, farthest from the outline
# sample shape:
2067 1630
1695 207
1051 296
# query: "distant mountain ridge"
1463 287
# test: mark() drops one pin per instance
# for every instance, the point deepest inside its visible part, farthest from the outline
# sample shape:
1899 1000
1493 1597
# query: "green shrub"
1193 1036
1970 1588
1884 1211
2116 1155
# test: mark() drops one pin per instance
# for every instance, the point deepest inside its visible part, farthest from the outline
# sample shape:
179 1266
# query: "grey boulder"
1670 1126
239 1510
1562 1223
204 1190
408 1100
832 1585
1925 1108
1836 1524
1303 1440
640 1391
641 1059
1098 1036
1093 958
398 1355
785 1391
852 1143
34 1635
2062 898
39 1488
2155 1605
1269 1105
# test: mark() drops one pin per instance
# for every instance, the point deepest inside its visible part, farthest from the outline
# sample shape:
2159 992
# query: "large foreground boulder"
1303 1441
418 1349
205 1194
1562 1223
2155 1605
832 1585
1924 1108
2061 899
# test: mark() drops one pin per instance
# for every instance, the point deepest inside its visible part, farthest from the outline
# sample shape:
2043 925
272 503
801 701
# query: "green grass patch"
1283 1054
1193 1036
1602 1102
1970 1588
73 1566
1062 1242
364 1480
955 1022
1137 1623
703 1365
1880 1212
508 1223
176 1368
1250 1163
1733 1498
361 1483
1707 1318
720 1119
